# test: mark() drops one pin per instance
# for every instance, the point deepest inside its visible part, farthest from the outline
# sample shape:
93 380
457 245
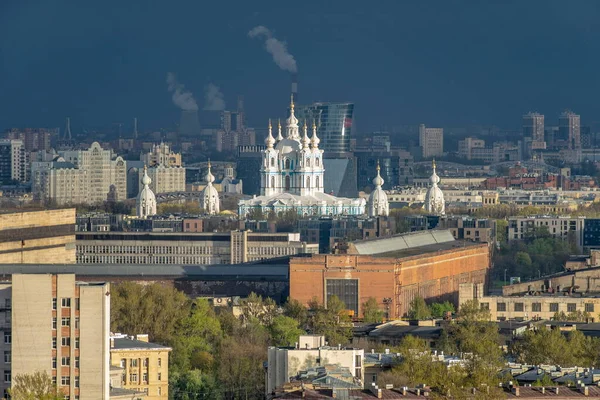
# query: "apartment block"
165 179
54 324
38 237
431 141
144 365
13 161
563 227
87 176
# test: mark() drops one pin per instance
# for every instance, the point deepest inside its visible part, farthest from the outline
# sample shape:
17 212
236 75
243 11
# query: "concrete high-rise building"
57 325
233 131
34 139
569 130
13 161
533 126
189 124
431 141
81 177
334 124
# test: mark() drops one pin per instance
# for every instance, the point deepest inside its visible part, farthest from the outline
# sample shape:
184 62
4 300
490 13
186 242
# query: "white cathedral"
292 176
146 201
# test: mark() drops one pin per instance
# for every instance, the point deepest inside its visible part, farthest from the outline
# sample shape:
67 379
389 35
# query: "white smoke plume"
276 48
213 98
182 98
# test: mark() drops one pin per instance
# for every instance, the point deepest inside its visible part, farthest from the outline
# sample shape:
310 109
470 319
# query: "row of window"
64 321
133 363
66 381
64 362
65 342
133 378
65 302
537 307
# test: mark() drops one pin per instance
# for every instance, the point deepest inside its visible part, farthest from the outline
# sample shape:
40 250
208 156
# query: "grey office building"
334 124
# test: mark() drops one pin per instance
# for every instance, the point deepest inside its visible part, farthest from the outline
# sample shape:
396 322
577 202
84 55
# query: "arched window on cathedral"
317 161
308 181
272 162
287 163
317 181
287 183
272 182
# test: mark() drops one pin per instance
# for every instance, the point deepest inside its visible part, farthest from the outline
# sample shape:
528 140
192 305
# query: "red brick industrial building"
392 270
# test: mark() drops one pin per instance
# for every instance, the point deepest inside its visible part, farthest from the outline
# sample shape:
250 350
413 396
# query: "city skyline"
100 66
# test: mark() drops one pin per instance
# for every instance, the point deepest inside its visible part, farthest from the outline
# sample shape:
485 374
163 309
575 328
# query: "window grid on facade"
501 307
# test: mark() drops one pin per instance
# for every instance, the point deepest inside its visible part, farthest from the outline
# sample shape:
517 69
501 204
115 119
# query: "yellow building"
145 365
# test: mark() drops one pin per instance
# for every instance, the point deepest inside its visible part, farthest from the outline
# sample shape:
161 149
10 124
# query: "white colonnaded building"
292 176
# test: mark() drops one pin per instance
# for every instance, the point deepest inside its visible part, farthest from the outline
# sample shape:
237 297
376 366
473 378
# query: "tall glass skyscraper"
334 124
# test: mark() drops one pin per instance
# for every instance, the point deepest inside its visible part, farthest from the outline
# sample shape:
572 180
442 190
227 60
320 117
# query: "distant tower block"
189 124
135 129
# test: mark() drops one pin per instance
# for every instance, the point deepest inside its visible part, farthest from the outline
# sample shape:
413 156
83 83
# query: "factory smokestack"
295 86
68 130
135 131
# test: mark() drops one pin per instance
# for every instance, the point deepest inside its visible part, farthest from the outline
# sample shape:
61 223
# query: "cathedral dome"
146 200
287 146
378 205
434 198
209 196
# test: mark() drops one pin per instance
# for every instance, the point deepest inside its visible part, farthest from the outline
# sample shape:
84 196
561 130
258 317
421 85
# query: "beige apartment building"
165 179
54 324
38 237
144 365
541 306
431 141
187 248
80 177
562 227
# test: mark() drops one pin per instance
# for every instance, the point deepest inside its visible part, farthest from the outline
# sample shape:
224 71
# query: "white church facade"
292 174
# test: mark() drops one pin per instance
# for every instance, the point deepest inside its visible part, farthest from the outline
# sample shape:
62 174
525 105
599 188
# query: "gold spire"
314 126
145 168
209 163
270 123
433 163
279 123
378 168
292 102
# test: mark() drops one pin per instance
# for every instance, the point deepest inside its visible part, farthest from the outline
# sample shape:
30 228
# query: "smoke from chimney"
181 98
276 48
214 100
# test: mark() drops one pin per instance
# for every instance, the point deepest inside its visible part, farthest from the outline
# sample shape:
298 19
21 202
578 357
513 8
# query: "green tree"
193 385
197 336
501 231
284 331
294 309
36 386
418 309
134 310
523 259
332 321
438 310
372 314
240 368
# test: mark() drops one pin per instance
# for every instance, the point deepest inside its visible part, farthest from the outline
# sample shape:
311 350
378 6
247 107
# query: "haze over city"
447 63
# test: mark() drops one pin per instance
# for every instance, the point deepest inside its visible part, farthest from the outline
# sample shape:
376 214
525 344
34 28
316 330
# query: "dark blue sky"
444 63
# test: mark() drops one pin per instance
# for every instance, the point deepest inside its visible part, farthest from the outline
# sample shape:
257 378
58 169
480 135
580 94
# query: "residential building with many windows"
54 324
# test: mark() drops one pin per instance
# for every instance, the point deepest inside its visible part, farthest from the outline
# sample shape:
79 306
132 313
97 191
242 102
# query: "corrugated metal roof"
402 242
